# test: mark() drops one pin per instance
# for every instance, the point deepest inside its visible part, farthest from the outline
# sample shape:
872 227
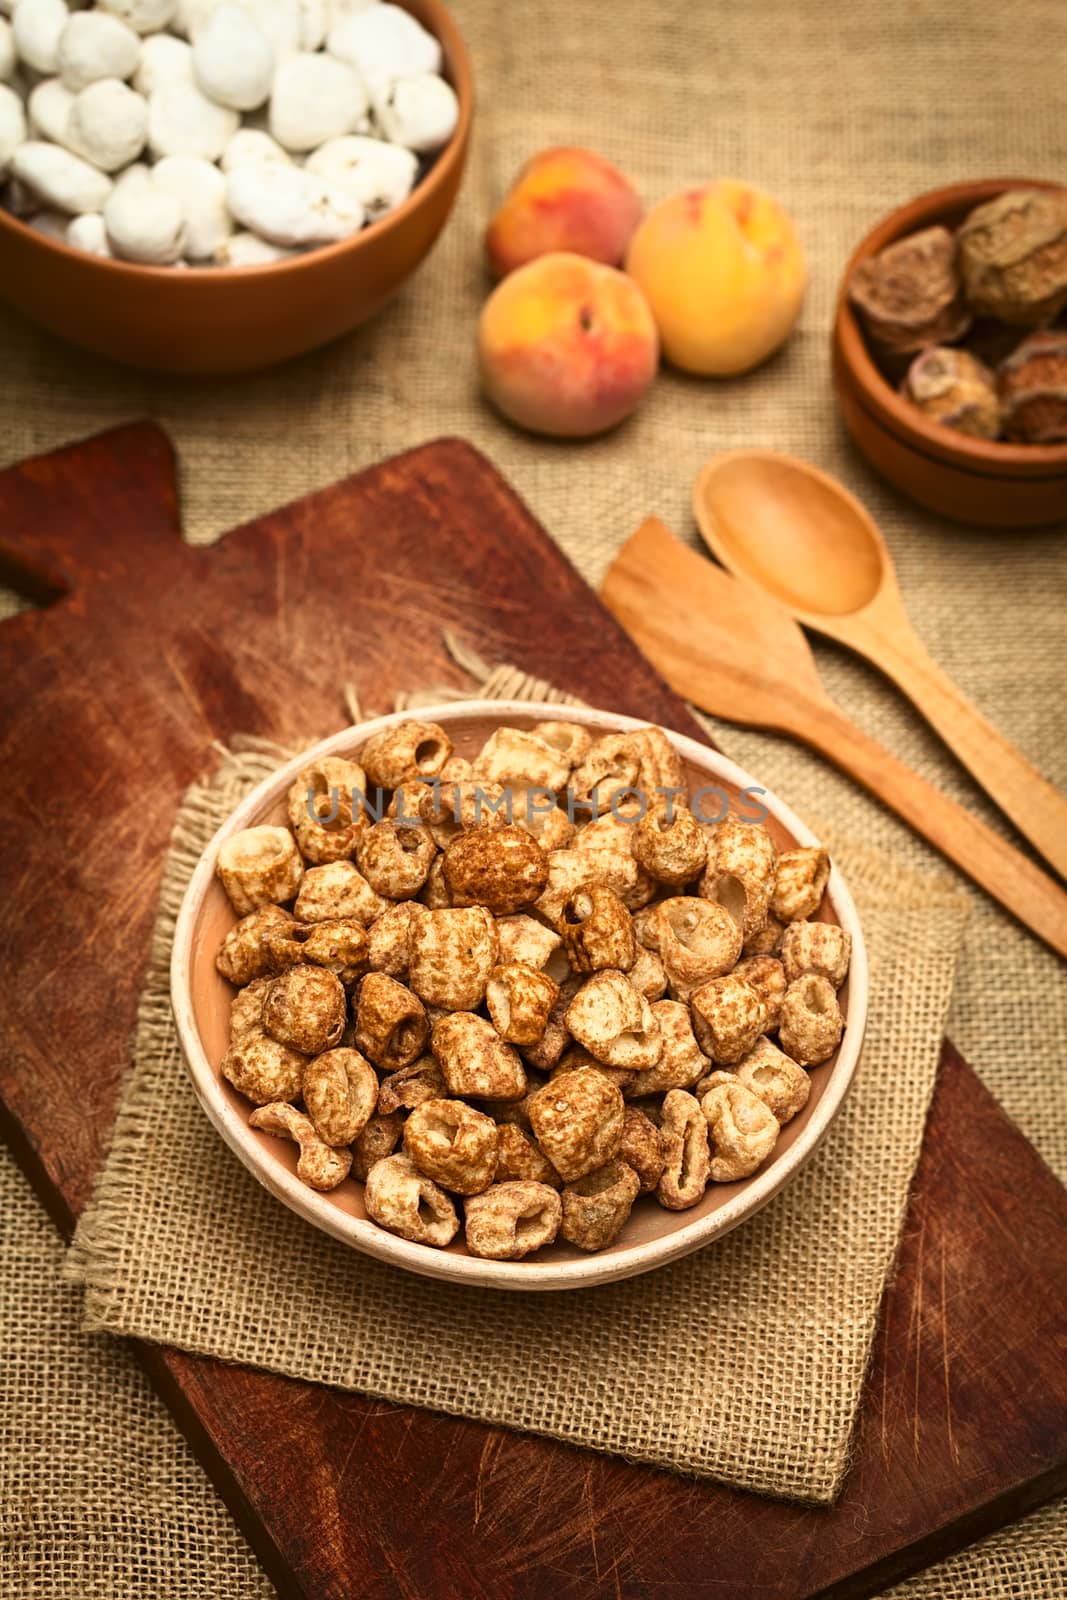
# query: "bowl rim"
424 1260
990 457
459 73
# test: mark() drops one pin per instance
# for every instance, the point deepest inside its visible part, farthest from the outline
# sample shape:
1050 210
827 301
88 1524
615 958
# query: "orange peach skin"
566 346
564 199
725 274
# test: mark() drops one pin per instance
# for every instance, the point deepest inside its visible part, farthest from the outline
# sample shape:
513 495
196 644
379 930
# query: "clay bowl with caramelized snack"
990 482
222 321
652 1236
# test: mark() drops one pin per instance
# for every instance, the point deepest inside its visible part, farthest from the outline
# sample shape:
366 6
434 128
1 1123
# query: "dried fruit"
956 389
1013 256
910 293
1033 389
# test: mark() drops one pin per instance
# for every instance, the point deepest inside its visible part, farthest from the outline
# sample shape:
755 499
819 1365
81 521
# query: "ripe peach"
724 273
566 346
564 199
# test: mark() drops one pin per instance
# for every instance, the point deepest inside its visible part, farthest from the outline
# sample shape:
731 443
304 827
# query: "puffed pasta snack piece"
319 1165
782 1085
404 753
742 1129
340 1094
326 809
728 1017
577 1121
452 1143
520 1000
798 886
391 1023
686 1156
259 866
401 1199
474 1060
243 953
614 1022
810 1025
305 1010
451 953
511 1220
596 1207
819 947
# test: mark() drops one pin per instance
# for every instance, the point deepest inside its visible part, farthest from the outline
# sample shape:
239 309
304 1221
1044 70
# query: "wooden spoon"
799 536
739 656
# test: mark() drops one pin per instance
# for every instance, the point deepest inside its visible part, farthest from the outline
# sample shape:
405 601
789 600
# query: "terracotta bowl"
652 1236
213 321
971 480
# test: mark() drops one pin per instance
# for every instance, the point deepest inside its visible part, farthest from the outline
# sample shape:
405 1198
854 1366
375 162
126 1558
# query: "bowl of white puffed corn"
517 995
214 186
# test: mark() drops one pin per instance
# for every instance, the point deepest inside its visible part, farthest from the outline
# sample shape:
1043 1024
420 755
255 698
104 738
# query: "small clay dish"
213 321
971 480
652 1236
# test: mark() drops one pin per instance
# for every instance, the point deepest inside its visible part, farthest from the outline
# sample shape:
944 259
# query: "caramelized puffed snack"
549 824
766 975
262 1069
520 1000
642 1148
613 831
246 1010
660 766
451 808
319 1165
404 753
411 1086
728 1017
740 871
474 1059
524 939
453 1144
518 1156
574 1057
798 888
391 1022
510 1220
435 894
546 1052
340 947
681 1063
611 764
597 931
781 1085
648 974
743 1131
819 947
570 739
670 845
811 1024
577 1121
388 938
401 1199
698 940
646 927
596 1207
395 857
451 953
615 1023
326 809
243 952
258 867
516 758
305 1010
503 869
340 1093
686 1157
337 892
379 1139
767 941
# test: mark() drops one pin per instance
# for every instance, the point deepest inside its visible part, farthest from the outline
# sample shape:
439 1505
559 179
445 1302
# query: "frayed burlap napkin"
743 1362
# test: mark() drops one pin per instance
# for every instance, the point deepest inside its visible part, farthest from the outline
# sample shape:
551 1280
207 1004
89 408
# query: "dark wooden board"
108 702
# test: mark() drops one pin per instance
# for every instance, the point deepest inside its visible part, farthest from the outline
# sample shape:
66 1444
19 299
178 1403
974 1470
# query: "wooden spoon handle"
992 863
1037 809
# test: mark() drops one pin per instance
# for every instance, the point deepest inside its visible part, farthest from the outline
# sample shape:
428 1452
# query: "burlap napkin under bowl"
743 1362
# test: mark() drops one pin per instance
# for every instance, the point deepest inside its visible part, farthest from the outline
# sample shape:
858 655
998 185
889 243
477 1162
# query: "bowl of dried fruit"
517 995
950 351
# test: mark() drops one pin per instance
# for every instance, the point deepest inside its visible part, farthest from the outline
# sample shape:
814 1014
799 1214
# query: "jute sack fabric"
844 111
198 1255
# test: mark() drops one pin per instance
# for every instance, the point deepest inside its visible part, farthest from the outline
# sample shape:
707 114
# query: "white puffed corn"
378 176
49 107
182 121
200 189
143 16
60 178
89 232
420 112
147 225
249 250
108 124
12 126
8 59
316 98
253 144
384 42
94 45
289 206
233 59
36 26
164 59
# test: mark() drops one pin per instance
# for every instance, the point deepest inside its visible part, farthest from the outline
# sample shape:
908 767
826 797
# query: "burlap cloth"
844 111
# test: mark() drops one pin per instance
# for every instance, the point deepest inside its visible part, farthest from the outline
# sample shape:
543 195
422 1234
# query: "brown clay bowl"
652 1236
215 321
970 480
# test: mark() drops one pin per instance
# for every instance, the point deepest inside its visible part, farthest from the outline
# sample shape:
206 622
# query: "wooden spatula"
729 650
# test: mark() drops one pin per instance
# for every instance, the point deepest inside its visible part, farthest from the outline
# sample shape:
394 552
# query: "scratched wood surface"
109 698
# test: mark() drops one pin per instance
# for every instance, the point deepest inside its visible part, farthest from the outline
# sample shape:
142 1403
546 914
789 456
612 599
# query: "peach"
724 273
566 346
564 199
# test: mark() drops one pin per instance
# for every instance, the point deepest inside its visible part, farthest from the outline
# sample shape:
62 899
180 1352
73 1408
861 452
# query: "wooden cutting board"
109 699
